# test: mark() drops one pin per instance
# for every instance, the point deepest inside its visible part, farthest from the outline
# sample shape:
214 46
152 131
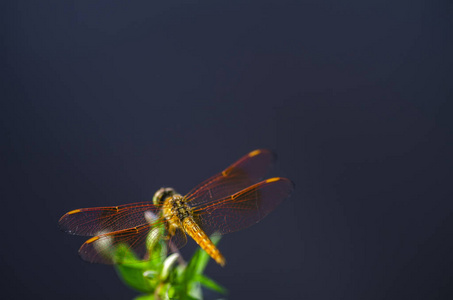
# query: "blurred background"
104 102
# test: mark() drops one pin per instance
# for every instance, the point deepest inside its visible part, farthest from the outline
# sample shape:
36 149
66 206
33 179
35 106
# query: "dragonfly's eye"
162 194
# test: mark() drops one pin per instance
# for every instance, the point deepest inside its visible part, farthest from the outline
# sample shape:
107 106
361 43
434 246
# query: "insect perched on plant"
229 201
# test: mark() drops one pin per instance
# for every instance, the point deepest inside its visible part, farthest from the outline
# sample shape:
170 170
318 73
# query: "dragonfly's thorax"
179 208
176 210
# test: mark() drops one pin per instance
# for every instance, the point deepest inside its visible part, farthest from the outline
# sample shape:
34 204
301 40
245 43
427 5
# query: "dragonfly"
231 200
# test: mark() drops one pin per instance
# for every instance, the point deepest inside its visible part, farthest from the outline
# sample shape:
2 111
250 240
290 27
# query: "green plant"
167 277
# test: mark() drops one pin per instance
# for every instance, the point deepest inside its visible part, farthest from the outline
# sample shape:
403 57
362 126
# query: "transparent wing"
122 233
244 208
96 220
246 171
126 246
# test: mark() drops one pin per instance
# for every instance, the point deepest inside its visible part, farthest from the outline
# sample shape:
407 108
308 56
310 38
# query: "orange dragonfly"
229 201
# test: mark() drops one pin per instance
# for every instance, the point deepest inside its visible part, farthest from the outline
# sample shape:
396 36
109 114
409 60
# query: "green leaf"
210 284
138 274
134 277
180 282
150 274
186 297
168 265
199 261
196 266
184 292
122 253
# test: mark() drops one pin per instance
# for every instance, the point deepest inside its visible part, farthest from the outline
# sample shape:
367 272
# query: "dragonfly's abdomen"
192 229
179 214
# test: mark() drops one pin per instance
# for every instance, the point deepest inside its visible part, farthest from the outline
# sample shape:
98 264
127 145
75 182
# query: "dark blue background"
103 102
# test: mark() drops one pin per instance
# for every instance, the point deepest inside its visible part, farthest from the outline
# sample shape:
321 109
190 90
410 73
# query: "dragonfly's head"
162 194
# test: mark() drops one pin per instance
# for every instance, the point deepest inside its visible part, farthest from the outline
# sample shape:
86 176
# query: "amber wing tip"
255 152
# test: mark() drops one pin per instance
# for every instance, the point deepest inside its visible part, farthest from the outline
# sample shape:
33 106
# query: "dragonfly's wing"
122 233
130 245
243 173
97 220
243 208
